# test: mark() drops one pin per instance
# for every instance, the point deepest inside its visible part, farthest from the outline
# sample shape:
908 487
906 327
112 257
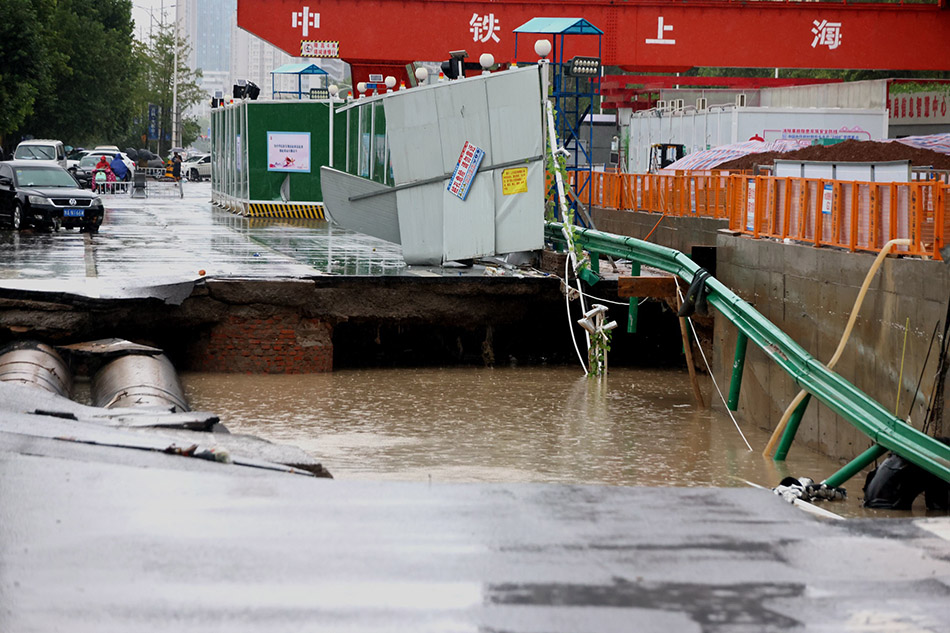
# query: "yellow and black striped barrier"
285 210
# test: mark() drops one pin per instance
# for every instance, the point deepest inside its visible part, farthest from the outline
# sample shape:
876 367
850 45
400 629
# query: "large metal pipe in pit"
37 365
138 380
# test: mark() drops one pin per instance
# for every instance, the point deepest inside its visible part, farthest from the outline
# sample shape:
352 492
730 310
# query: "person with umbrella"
119 168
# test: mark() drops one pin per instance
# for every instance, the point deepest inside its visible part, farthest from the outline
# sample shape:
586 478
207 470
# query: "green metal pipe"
633 312
738 365
855 466
839 395
794 421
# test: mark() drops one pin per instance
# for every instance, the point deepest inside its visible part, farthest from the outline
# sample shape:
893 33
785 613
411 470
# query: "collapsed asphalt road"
95 537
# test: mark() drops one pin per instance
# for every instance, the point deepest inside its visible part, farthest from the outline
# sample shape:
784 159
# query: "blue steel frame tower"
573 100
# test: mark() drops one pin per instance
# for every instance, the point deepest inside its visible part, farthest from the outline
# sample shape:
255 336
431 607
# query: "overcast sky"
143 11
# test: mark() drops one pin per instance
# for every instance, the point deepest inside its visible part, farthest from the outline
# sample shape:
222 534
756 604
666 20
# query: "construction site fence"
858 216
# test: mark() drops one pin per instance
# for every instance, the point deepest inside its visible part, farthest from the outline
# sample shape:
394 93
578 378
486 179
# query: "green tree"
86 97
159 67
23 65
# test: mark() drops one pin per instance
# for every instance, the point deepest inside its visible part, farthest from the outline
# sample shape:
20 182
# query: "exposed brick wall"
280 344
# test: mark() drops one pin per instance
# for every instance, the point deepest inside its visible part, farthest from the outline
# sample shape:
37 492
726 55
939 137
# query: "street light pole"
176 133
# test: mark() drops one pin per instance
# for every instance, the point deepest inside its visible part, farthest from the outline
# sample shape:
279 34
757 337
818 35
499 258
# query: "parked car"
39 149
73 158
83 172
197 167
46 196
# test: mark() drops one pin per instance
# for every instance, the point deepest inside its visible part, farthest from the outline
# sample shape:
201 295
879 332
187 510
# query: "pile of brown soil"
848 152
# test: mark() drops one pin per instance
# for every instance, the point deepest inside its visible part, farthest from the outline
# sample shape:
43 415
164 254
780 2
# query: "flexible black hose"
922 369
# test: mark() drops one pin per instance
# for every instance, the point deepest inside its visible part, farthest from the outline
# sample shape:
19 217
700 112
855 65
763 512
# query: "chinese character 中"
306 19
826 34
483 27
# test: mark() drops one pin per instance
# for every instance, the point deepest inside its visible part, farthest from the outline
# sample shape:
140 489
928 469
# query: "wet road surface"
98 538
168 240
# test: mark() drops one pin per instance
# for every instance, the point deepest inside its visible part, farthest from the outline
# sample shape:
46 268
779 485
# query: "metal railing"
114 188
884 429
858 216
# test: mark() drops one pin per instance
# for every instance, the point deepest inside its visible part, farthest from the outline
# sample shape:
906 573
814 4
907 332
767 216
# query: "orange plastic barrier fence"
859 216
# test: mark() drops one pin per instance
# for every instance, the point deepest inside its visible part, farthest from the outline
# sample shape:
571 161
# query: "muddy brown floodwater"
542 424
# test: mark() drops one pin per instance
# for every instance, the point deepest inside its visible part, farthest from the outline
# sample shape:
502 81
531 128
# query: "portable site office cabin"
267 156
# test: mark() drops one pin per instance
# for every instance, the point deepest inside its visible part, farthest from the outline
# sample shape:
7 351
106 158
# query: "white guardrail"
147 182
117 187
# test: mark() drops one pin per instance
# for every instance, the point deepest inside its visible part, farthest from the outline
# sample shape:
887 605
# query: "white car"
110 154
73 158
197 167
45 150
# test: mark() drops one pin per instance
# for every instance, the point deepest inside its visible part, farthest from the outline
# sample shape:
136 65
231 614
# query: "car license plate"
73 213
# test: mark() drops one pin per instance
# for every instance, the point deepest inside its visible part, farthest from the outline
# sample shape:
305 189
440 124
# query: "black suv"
46 196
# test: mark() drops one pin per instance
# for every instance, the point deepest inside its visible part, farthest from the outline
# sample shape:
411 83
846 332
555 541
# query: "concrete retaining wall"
679 233
809 292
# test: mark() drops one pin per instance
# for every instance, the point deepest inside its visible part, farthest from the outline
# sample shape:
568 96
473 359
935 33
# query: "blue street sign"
152 122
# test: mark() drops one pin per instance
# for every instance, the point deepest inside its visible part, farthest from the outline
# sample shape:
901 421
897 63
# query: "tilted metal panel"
463 116
519 217
420 223
468 228
516 116
413 125
469 225
375 216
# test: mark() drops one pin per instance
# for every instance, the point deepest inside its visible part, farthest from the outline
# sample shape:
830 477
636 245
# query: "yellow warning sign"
514 180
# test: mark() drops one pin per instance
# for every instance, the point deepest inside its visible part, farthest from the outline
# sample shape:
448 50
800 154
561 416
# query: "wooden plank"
647 286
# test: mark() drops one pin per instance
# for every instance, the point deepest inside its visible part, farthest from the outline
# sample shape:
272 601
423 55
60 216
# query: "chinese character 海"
826 34
483 27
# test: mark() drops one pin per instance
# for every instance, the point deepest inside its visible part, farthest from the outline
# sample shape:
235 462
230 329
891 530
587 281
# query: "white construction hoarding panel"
463 116
412 122
724 125
883 171
771 124
420 223
374 215
519 208
516 116
468 228
428 126
816 170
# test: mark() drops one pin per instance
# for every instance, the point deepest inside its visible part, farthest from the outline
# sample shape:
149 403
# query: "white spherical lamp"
542 48
422 74
390 82
361 87
487 60
334 90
